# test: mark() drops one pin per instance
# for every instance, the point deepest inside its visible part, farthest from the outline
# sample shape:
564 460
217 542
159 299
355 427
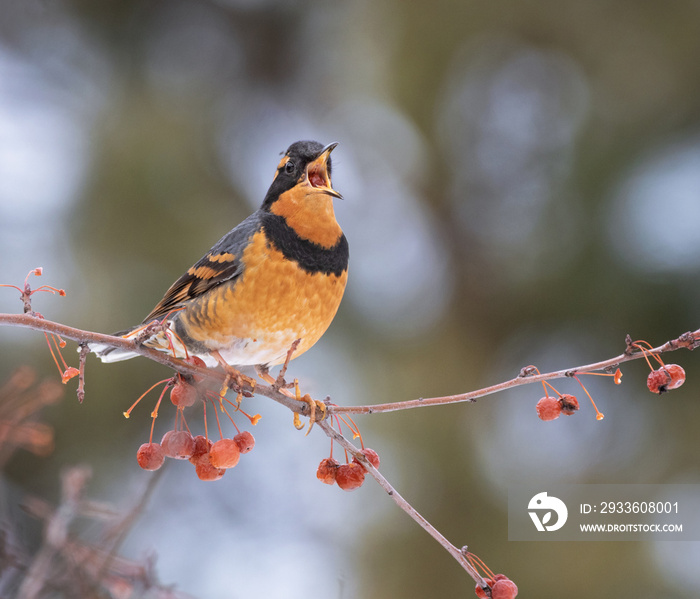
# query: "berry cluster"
551 407
351 475
499 586
348 476
210 459
664 378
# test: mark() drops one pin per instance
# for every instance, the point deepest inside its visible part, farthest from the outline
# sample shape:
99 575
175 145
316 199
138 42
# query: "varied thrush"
277 277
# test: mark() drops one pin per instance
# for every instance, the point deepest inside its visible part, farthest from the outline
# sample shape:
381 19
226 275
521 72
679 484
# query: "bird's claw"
313 406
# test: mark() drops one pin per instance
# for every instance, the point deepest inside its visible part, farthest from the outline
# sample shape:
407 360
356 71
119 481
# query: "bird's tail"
109 354
162 339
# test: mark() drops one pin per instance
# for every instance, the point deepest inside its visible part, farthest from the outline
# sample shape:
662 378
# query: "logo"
547 506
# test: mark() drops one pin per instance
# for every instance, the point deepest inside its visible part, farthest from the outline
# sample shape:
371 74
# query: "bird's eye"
289 167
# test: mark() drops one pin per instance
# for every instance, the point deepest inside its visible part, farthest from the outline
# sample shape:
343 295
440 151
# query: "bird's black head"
305 163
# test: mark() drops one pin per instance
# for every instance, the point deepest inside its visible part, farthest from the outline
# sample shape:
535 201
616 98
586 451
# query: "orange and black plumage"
277 277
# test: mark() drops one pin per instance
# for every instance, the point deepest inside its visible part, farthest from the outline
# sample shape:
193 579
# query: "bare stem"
84 351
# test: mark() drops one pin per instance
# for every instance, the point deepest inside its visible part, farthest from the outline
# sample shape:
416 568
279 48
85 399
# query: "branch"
278 393
274 392
457 554
689 340
31 321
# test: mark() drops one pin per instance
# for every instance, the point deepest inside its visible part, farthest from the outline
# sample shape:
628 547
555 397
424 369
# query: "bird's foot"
278 383
235 379
313 404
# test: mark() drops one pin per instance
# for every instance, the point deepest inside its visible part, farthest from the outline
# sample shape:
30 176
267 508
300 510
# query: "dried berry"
677 375
670 376
569 404
150 456
206 471
657 380
245 441
327 470
183 395
350 476
195 361
371 455
202 445
503 588
224 454
178 444
548 408
481 593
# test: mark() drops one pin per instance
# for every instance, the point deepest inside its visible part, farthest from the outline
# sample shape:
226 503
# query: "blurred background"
522 186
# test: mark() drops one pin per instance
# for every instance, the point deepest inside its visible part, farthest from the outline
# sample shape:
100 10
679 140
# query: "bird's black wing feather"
221 263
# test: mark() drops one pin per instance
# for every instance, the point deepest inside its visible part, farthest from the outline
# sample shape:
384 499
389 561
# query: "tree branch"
689 340
31 321
456 553
37 323
276 392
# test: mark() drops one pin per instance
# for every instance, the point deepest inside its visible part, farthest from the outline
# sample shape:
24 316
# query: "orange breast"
274 302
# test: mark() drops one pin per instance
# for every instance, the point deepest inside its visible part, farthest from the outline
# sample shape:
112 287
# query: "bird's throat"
310 214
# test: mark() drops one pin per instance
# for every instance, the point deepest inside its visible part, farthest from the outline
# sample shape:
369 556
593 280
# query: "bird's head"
306 166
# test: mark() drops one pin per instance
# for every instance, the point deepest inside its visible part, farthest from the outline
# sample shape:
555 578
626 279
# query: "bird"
277 277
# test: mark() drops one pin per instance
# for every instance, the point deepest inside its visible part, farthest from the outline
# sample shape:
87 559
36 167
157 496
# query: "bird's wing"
221 263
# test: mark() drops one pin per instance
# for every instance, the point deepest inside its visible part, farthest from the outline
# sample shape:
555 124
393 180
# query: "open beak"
317 172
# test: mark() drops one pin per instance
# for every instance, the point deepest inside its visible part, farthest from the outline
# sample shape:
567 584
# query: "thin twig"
84 351
56 532
401 502
688 340
127 523
40 324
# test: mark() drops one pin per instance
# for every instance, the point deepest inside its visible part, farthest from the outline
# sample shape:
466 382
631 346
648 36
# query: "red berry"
371 455
195 361
666 378
245 441
183 395
503 588
350 476
677 375
569 404
205 470
481 593
178 444
150 456
224 454
202 445
327 470
548 408
657 380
